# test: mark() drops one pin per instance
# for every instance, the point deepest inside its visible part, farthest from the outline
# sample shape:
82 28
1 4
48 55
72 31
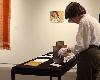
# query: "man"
88 41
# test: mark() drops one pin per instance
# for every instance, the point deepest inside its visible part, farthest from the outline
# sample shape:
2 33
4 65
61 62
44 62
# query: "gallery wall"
32 34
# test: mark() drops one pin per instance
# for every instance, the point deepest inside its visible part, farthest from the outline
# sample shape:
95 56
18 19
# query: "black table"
44 69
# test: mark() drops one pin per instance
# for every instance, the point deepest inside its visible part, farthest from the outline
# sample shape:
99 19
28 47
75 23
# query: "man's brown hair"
74 9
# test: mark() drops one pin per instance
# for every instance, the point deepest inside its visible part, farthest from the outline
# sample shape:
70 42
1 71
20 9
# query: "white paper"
57 65
41 60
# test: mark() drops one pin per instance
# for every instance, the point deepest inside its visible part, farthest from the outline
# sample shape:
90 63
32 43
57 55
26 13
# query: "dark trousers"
88 64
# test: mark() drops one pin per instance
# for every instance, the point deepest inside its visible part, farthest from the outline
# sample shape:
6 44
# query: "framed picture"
56 16
99 18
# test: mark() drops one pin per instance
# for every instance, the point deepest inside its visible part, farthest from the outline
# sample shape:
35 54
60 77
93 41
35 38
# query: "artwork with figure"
56 16
99 18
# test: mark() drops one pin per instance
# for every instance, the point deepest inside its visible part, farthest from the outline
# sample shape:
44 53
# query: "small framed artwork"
99 18
56 16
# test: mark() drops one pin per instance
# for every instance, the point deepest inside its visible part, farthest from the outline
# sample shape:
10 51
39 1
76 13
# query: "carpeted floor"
5 74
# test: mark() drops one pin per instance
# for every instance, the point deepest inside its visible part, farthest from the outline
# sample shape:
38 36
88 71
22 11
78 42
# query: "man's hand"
64 52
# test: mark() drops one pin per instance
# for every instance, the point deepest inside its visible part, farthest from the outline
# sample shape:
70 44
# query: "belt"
90 46
94 46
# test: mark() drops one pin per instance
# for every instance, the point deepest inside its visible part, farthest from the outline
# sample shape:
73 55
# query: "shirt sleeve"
82 38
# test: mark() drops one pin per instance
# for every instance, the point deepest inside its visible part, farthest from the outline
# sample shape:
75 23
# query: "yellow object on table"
33 63
36 62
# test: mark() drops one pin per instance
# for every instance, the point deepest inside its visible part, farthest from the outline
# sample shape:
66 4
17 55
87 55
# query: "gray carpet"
5 74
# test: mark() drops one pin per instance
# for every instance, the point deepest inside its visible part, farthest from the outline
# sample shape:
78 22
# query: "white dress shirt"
88 34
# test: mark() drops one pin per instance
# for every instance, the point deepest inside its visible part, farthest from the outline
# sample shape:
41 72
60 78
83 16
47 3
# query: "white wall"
31 32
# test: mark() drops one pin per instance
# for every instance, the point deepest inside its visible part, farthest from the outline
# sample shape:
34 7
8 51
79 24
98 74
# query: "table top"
44 69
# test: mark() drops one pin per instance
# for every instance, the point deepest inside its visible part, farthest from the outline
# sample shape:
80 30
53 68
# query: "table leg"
50 77
12 75
59 77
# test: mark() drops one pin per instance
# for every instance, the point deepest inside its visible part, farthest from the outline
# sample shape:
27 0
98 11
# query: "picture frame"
99 18
56 16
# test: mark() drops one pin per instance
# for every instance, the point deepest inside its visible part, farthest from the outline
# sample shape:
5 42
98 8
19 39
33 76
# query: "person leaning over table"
87 42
